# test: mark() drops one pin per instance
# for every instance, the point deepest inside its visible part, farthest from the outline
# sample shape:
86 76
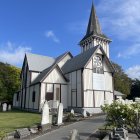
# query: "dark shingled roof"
94 27
42 74
93 24
61 56
78 61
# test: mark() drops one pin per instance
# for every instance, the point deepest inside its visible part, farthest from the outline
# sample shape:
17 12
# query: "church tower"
94 35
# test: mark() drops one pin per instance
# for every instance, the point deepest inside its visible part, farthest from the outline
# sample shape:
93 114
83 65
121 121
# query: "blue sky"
51 27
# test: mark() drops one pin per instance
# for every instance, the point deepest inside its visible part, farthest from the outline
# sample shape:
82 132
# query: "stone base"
59 124
89 110
44 127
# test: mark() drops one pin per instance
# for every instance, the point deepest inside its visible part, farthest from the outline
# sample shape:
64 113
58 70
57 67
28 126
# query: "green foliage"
2 134
122 82
135 89
119 114
9 81
70 117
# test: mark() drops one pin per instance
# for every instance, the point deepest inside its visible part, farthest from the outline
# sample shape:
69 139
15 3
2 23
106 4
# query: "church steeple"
94 35
93 24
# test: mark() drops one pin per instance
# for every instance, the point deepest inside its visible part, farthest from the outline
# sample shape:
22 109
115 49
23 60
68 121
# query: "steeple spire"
93 24
94 35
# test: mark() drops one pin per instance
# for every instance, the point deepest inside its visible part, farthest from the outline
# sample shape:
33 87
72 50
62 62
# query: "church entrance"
53 92
57 92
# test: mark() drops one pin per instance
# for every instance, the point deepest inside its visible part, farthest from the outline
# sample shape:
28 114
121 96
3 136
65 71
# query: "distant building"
118 95
80 82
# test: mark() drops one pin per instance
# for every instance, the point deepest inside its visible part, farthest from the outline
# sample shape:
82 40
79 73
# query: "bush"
121 114
70 117
2 134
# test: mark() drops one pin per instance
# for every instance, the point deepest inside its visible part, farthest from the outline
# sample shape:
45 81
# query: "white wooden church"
81 82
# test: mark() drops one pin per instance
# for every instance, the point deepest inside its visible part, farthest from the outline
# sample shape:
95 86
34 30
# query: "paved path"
85 129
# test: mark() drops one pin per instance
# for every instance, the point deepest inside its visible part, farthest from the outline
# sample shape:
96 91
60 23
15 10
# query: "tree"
122 82
9 81
135 89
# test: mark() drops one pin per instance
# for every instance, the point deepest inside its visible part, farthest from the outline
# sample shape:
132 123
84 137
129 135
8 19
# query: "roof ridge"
39 55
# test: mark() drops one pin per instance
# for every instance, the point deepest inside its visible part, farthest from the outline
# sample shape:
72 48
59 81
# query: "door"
57 92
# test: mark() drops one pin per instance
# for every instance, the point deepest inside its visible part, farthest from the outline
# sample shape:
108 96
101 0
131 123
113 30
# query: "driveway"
85 129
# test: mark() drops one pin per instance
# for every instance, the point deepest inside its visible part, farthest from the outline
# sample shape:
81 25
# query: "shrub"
2 134
121 114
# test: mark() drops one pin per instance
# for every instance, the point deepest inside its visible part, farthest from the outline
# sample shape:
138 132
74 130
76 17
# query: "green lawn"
13 120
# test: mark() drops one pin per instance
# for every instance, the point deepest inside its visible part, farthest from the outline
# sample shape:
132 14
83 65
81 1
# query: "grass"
13 120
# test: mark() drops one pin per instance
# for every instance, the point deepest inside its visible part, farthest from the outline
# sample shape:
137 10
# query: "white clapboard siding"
108 82
99 98
64 96
54 77
88 74
109 96
42 95
79 89
34 75
88 99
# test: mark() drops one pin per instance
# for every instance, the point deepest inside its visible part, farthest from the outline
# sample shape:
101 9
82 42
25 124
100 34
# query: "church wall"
88 77
89 65
108 81
51 84
15 102
99 98
54 77
64 60
109 97
95 93
19 102
64 93
37 96
30 97
69 90
27 97
106 68
75 89
23 97
88 98
28 78
42 95
79 88
34 75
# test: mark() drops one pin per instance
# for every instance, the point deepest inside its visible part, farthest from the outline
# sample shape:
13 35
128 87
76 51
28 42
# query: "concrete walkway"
85 129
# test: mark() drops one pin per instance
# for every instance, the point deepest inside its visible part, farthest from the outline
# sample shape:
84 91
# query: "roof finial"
93 25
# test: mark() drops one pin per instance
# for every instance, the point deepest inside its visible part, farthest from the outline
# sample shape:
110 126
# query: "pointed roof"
38 62
94 28
80 61
93 24
46 72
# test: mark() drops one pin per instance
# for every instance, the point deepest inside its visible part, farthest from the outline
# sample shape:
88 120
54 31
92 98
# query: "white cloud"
50 34
133 72
12 53
130 52
121 17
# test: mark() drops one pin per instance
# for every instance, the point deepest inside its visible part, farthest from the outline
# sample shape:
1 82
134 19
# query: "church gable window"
97 64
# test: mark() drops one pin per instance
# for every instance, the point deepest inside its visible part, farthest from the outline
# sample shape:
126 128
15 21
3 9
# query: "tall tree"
122 82
9 81
135 89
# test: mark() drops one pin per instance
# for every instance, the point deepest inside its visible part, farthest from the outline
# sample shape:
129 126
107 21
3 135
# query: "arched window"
97 63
